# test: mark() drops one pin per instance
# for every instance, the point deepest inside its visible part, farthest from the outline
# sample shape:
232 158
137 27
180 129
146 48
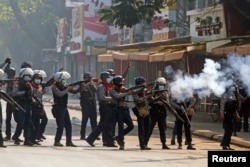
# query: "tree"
27 26
130 12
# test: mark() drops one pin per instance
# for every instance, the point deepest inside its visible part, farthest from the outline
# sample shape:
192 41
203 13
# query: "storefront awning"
243 49
120 55
224 50
144 54
105 58
174 55
153 56
166 56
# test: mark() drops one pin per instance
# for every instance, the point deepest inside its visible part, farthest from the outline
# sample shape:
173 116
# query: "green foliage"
130 12
38 28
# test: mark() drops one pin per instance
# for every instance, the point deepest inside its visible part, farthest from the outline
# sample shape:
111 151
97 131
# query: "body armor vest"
60 101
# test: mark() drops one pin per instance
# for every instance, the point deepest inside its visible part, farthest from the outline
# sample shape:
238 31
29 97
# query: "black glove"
8 60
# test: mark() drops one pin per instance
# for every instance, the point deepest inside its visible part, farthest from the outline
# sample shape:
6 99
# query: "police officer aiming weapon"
11 101
150 84
84 81
8 80
50 81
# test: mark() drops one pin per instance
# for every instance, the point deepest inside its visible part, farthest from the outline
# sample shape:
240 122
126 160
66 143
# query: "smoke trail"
212 80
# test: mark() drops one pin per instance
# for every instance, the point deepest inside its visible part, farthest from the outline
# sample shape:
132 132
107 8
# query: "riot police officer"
9 109
158 111
181 107
22 92
230 105
60 111
105 124
122 110
37 105
88 103
141 110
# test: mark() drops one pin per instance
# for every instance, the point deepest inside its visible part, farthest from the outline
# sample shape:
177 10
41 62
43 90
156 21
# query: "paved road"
202 125
47 155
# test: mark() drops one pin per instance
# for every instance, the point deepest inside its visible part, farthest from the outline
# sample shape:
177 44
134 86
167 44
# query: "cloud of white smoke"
214 78
241 67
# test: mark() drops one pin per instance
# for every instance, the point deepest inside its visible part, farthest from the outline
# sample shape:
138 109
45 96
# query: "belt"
123 106
105 102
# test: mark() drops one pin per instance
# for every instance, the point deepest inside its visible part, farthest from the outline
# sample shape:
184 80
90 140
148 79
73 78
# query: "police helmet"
104 75
87 75
11 72
111 72
40 73
139 80
117 80
1 73
161 81
61 75
26 72
26 65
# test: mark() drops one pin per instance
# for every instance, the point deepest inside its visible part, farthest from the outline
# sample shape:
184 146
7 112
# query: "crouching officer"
60 91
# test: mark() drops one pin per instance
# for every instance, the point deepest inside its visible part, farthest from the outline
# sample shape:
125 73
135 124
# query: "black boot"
180 146
70 144
164 146
190 147
2 145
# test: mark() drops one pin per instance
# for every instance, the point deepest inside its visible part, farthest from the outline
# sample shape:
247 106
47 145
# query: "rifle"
155 91
138 87
185 114
84 81
11 101
40 104
50 81
172 110
8 80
